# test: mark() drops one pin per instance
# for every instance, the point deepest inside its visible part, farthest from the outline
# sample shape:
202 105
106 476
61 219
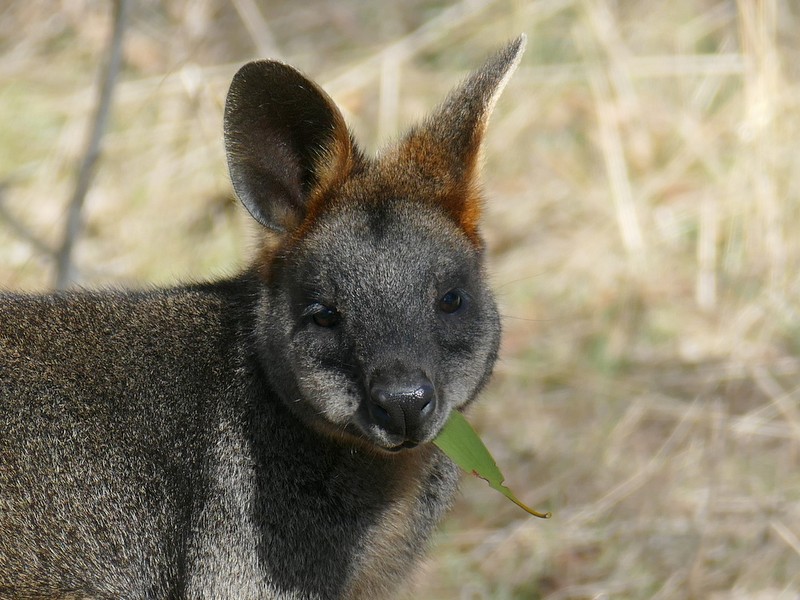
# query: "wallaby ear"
286 142
446 147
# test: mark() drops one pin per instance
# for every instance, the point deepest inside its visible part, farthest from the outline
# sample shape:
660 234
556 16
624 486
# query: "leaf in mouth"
461 443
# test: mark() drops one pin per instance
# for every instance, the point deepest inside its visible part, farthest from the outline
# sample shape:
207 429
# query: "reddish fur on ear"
437 176
465 208
446 148
332 166
287 176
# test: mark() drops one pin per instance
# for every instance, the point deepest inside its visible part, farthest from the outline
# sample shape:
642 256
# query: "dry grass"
643 217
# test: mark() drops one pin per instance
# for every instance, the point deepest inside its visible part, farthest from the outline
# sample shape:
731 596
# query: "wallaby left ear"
446 147
286 142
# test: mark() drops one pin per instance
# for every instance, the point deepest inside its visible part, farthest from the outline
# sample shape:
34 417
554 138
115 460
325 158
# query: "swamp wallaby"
266 436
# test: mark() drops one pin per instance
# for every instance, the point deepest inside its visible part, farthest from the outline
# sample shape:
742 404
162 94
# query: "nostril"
382 413
424 395
378 409
426 408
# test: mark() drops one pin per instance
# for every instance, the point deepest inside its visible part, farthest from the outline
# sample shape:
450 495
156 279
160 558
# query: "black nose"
402 405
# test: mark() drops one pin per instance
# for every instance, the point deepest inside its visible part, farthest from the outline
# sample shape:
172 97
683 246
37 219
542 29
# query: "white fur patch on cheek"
331 394
460 386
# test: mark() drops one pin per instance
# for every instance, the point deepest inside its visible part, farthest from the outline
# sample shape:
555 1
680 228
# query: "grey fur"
212 440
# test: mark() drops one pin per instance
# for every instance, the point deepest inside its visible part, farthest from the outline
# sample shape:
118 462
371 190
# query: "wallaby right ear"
286 143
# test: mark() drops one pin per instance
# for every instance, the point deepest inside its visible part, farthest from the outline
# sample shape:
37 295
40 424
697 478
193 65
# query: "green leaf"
460 442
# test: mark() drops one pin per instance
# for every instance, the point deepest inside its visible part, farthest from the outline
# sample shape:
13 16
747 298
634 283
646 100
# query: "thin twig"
74 225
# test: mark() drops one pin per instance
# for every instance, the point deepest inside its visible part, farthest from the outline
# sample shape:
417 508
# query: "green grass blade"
461 443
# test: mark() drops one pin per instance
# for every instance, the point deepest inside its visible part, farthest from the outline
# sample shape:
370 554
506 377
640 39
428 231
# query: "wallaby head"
375 320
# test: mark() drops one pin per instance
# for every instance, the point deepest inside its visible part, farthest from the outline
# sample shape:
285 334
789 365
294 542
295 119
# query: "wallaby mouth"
407 445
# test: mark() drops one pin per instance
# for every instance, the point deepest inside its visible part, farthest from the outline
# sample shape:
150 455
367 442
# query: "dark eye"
450 302
325 316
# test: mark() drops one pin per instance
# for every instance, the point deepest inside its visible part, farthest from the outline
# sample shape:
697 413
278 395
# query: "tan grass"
642 216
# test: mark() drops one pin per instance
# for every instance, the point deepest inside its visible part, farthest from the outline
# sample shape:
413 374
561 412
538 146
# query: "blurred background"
642 179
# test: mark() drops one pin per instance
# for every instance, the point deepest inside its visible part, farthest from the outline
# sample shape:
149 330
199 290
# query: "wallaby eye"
450 302
325 316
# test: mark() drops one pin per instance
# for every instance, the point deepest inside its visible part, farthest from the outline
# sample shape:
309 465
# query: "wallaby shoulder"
122 352
102 318
110 401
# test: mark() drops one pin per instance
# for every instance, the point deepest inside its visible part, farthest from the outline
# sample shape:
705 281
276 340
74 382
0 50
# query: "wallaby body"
265 436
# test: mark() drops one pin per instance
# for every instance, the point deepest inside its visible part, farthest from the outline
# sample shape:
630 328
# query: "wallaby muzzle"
402 405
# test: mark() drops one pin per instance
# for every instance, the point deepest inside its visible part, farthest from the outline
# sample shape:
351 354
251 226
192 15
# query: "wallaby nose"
402 406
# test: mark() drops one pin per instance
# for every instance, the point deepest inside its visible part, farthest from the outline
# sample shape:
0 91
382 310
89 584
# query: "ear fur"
446 147
286 142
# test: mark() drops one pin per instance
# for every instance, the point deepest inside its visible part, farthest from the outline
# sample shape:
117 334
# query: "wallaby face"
386 324
265 436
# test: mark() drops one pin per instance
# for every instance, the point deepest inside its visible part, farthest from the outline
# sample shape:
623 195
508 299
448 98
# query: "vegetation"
643 221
